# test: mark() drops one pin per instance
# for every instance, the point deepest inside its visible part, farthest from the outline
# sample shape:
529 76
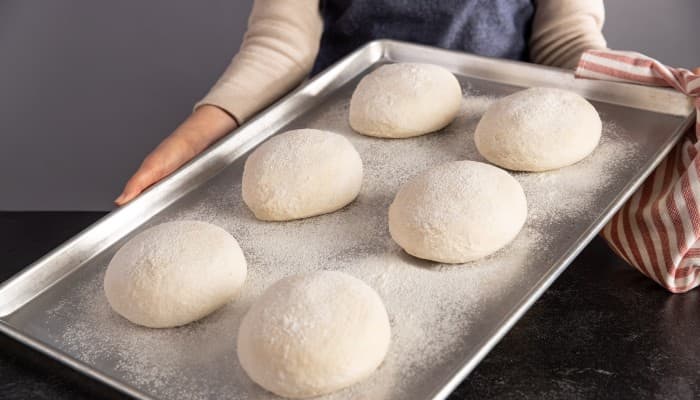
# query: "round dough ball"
313 334
457 212
538 129
301 173
405 100
174 273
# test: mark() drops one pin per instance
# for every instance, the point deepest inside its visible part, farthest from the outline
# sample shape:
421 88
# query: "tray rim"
649 98
165 193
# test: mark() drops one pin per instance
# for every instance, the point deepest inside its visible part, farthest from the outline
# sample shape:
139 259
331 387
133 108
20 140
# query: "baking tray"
445 319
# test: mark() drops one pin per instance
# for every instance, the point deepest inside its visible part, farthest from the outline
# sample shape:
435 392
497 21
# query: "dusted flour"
439 313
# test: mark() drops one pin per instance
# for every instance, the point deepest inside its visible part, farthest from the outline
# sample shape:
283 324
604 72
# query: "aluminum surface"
650 118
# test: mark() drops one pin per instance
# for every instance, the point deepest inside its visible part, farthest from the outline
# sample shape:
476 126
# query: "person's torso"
496 28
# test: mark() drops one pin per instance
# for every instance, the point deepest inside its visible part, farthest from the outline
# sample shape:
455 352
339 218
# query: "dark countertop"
601 331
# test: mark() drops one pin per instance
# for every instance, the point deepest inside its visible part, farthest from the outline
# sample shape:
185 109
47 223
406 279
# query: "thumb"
696 71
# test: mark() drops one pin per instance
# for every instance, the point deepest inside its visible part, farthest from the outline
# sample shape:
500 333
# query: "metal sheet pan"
46 303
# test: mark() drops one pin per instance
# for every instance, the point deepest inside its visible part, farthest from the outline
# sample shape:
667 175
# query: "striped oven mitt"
658 230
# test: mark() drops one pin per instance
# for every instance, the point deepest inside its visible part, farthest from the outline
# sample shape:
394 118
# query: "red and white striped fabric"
658 230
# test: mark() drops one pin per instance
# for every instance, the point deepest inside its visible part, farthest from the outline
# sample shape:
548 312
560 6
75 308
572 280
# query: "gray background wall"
88 87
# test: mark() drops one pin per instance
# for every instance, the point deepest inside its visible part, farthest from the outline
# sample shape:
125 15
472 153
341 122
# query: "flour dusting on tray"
432 307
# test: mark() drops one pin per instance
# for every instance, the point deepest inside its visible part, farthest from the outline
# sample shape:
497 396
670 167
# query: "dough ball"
313 334
457 212
538 129
301 173
174 273
405 100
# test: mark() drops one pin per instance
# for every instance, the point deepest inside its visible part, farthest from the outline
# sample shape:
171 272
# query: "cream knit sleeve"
278 51
283 37
563 29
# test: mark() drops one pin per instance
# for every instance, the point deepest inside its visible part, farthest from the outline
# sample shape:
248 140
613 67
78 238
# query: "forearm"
563 29
277 53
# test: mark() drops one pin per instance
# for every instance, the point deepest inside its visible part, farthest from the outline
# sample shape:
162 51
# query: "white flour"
438 313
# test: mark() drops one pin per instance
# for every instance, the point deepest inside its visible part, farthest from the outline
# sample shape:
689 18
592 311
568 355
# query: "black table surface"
601 331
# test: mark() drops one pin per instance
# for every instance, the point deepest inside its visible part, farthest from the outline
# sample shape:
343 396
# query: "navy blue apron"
496 28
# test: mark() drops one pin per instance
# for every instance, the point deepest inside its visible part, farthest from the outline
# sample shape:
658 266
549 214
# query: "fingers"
696 71
170 155
148 173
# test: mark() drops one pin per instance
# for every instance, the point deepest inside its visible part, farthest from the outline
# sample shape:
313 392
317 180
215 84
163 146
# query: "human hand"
206 125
